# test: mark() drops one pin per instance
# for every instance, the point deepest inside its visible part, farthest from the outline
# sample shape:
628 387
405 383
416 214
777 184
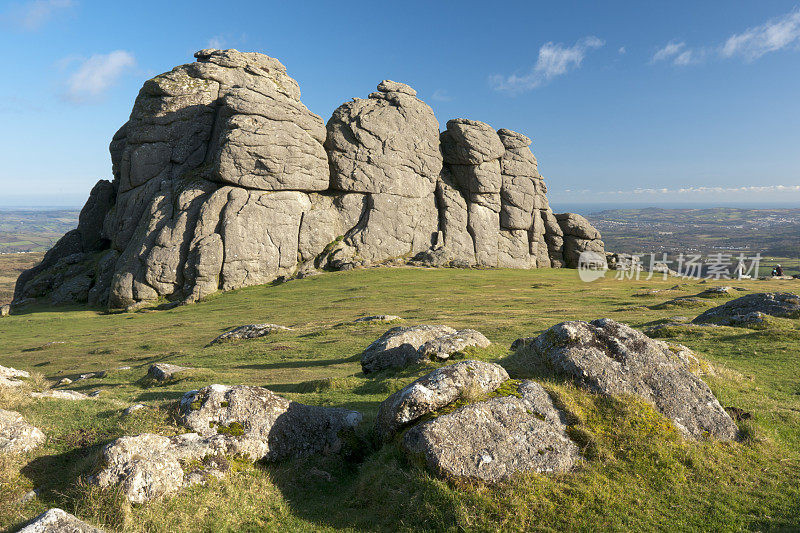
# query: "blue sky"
647 102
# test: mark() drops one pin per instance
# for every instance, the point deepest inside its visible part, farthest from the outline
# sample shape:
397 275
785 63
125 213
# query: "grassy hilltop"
638 473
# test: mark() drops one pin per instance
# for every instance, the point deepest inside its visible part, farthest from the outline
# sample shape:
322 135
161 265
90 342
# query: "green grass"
638 473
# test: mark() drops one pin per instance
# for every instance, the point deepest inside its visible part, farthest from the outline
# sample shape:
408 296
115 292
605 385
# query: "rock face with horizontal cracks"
579 236
224 179
494 439
608 357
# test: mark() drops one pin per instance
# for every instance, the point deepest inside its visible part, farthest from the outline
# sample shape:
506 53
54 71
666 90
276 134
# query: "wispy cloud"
441 95
216 41
555 59
31 16
95 75
668 52
776 34
622 50
771 36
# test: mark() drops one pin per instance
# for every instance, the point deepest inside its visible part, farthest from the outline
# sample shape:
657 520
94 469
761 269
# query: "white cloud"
554 60
30 16
441 95
216 41
96 75
622 50
776 34
669 51
771 36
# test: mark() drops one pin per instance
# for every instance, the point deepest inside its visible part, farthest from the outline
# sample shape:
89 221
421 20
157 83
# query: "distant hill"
34 230
771 232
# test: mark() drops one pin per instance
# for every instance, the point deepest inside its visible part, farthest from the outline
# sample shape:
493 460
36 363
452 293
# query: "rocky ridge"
222 179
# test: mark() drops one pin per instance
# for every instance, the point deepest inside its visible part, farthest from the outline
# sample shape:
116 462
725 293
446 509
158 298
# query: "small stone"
60 395
5 310
250 331
133 408
377 318
64 381
95 394
164 371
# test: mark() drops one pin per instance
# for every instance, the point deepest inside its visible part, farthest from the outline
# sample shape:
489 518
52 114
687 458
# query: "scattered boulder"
752 308
5 310
435 390
16 434
493 439
10 377
64 381
164 371
405 345
57 521
250 331
263 424
60 395
377 318
611 358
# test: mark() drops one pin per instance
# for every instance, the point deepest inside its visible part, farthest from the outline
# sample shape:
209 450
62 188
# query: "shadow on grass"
298 364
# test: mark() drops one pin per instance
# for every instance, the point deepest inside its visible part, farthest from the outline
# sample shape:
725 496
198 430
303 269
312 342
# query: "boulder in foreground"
611 358
265 425
436 390
10 377
58 521
494 439
752 308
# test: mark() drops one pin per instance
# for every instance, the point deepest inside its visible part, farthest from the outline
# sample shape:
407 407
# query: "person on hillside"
778 270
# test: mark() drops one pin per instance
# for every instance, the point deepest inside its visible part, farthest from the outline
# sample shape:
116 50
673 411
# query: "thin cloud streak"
555 59
31 16
96 75
776 34
694 190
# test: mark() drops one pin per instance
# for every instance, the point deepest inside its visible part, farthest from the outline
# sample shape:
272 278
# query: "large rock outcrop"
224 179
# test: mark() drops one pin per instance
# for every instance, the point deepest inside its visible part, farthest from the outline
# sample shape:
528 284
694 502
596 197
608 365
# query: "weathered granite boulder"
494 439
611 358
16 434
377 318
224 179
436 390
405 345
58 521
164 371
149 466
5 310
264 425
444 346
10 377
752 308
249 331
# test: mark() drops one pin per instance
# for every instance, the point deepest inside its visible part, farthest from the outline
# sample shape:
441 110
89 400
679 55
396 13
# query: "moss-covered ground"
639 474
